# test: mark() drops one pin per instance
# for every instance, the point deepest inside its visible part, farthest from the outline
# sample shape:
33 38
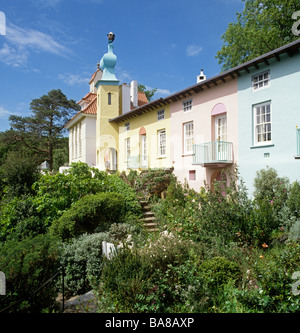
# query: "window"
144 151
192 174
127 126
76 141
188 137
187 105
160 114
262 124
298 141
109 98
162 143
79 141
261 80
127 149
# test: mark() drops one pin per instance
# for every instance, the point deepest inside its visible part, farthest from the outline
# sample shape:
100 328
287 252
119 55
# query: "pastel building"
204 130
269 114
113 101
247 117
82 127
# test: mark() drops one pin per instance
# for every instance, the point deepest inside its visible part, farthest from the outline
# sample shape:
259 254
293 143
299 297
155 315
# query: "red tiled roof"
91 108
88 97
93 76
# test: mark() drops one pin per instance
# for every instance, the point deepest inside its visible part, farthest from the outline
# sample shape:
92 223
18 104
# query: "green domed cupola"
108 64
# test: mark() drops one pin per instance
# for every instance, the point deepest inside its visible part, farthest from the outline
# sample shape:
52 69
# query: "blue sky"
56 44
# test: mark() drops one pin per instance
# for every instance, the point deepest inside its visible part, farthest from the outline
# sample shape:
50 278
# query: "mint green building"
269 114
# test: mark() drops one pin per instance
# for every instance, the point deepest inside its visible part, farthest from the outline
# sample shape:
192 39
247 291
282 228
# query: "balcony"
137 162
213 154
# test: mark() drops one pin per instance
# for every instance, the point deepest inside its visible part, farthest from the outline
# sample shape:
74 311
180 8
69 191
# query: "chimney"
134 93
201 77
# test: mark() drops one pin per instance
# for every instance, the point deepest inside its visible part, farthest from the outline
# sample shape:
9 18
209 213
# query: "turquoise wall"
284 94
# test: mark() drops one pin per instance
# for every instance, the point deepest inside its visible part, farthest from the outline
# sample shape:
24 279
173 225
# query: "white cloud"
193 50
4 113
20 42
160 92
73 79
34 40
12 57
163 92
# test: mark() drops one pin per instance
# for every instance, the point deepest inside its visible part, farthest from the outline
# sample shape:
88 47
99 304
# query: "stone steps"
149 220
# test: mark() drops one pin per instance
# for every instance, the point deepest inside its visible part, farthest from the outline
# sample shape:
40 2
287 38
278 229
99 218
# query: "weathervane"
111 37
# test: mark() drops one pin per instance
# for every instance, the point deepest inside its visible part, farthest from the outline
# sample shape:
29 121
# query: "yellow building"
143 137
125 139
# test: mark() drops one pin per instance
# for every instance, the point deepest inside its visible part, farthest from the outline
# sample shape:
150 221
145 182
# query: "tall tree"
43 131
263 26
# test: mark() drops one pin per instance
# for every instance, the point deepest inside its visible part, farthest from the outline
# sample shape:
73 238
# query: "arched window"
109 98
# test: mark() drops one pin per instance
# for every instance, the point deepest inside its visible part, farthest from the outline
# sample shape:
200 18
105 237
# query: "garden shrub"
149 183
273 272
82 260
269 186
219 271
55 194
27 265
293 201
20 171
19 219
123 278
95 212
164 250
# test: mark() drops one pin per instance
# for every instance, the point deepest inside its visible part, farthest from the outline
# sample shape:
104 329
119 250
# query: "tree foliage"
148 92
263 26
41 131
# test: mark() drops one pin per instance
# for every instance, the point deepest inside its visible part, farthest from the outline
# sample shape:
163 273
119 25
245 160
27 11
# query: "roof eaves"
231 73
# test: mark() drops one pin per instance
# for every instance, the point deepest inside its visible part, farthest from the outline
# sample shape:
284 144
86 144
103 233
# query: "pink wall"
201 115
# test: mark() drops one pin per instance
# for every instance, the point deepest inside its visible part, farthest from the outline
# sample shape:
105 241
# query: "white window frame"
262 122
162 140
188 137
161 114
127 149
260 81
187 105
79 141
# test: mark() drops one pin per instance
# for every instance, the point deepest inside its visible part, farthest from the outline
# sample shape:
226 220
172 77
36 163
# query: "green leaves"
263 26
41 131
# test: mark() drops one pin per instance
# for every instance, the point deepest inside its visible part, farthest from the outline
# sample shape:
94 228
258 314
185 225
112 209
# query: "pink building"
204 130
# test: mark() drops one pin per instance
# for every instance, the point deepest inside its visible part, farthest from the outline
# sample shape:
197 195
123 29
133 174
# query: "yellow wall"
107 134
152 125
